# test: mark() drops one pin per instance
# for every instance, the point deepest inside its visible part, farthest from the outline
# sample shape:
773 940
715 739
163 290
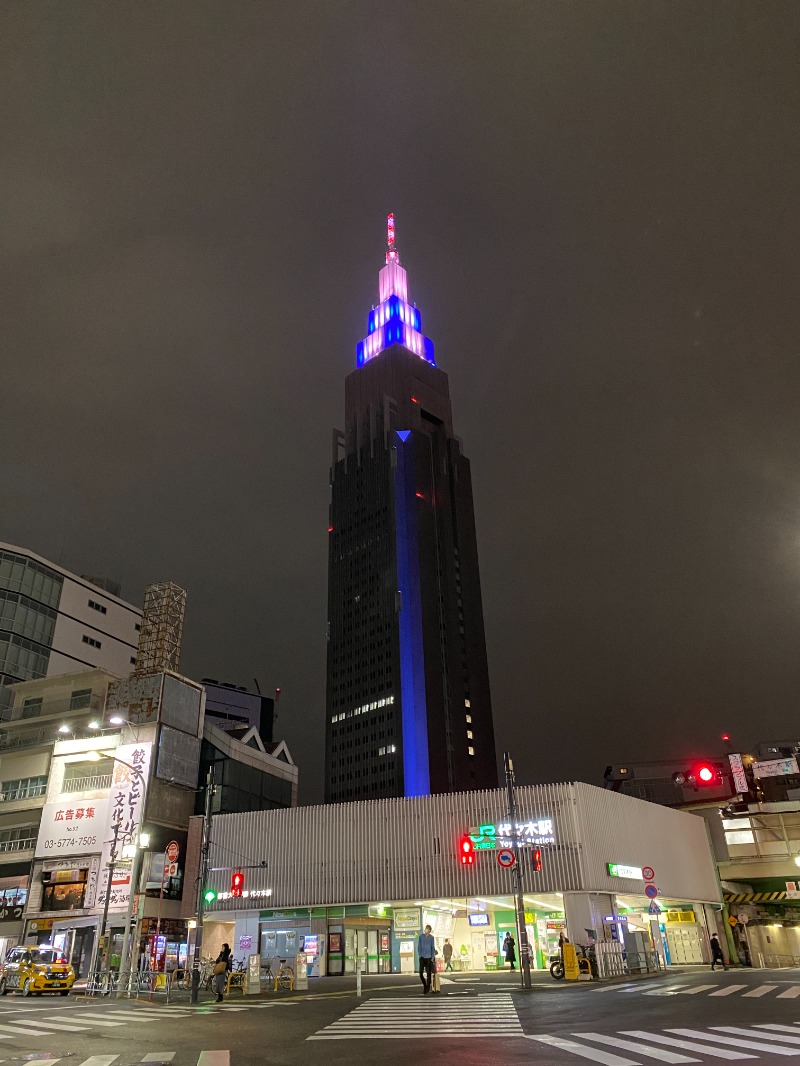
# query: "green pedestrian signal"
209 896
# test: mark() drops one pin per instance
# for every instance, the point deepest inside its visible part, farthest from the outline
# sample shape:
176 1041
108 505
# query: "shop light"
65 728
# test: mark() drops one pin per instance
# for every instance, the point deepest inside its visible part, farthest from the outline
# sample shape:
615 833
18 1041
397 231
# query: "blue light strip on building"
416 772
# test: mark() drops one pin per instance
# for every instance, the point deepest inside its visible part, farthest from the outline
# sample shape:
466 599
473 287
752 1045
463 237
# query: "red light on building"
466 851
725 737
330 529
420 496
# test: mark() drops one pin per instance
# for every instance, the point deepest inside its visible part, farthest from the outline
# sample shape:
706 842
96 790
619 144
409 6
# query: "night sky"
597 207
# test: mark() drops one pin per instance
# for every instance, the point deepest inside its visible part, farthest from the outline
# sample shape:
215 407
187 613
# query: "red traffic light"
705 774
466 851
536 860
237 883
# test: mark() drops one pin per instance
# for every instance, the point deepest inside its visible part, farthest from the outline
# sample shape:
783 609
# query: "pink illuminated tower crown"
394 320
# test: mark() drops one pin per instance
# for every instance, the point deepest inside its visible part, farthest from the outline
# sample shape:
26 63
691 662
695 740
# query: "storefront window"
64 890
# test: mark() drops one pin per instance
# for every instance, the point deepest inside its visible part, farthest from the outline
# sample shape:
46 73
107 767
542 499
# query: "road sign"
648 873
733 921
650 891
743 918
506 858
170 869
653 908
172 851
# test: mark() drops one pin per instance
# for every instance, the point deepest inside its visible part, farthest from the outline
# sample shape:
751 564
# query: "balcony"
34 792
92 702
26 844
19 739
87 784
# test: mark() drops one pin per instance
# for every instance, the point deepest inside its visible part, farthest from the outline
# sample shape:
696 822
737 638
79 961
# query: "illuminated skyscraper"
408 705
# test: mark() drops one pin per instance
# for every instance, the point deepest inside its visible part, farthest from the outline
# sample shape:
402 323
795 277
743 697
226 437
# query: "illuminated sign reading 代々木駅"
508 834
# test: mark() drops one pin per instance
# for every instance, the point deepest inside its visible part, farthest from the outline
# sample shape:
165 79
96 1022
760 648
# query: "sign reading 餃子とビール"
507 834
618 869
125 810
740 782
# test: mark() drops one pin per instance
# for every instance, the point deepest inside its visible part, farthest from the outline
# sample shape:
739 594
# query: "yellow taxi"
33 970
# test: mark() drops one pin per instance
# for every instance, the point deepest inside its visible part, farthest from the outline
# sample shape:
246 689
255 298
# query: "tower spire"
394 320
391 251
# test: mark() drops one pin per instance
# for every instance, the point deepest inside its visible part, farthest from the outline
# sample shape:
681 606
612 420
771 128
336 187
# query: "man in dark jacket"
716 953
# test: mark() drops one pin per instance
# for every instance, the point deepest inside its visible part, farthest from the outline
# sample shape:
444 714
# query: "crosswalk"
41 1022
678 1045
775 990
427 1018
164 1058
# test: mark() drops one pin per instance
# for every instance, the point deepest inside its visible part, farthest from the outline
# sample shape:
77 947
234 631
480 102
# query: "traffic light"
466 851
237 883
699 774
209 896
536 860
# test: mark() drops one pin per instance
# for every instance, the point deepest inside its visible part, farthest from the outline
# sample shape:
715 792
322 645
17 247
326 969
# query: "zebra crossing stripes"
678 1045
718 990
427 1018
205 1058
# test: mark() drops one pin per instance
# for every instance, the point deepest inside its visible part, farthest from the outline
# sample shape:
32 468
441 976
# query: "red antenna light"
725 737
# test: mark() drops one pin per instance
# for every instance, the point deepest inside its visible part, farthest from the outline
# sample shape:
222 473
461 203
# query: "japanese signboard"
125 810
506 834
775 767
739 776
72 828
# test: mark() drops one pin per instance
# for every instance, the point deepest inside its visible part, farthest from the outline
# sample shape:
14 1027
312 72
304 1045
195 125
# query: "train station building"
358 881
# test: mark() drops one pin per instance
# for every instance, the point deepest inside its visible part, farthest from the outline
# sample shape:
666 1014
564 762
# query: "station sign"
618 869
532 833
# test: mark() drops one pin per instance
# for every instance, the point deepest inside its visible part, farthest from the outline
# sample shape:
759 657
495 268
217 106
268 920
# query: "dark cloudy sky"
597 206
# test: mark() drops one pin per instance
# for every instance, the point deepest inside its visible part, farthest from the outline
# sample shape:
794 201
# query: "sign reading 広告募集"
508 834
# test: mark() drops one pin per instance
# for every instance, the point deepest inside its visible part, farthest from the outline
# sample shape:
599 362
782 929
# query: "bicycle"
284 977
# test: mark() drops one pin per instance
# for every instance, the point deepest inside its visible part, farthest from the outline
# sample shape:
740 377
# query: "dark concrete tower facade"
408 705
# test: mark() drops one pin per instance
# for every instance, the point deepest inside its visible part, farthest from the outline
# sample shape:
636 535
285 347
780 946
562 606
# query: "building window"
469 734
133 660
23 788
470 751
32 708
97 607
468 718
137 627
467 703
91 642
19 839
64 890
80 699
87 776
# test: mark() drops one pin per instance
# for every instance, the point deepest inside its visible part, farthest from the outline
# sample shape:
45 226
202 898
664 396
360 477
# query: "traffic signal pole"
201 886
522 932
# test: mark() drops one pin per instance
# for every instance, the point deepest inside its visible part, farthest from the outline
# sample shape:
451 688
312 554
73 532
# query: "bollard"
358 977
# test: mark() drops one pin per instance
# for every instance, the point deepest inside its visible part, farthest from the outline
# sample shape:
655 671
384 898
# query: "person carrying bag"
220 972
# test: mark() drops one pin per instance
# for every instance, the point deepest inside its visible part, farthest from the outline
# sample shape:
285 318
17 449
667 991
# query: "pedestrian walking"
447 955
716 953
510 950
426 950
222 966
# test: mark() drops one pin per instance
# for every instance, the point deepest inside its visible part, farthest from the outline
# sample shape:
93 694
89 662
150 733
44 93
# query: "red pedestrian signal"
466 851
536 860
237 883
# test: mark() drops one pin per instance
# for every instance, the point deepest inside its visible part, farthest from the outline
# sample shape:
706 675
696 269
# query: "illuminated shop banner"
125 811
72 827
508 834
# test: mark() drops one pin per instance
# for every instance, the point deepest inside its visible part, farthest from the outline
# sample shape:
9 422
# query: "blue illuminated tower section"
408 704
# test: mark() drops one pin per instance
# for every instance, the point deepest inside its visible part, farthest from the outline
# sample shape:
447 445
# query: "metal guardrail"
135 983
770 961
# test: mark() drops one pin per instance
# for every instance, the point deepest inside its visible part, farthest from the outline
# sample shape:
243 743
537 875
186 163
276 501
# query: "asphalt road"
686 1017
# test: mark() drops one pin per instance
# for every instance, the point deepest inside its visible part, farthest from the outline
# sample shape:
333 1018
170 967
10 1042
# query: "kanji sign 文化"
126 805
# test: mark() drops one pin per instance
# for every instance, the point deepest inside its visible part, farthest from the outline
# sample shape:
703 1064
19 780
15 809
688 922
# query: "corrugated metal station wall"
621 829
406 849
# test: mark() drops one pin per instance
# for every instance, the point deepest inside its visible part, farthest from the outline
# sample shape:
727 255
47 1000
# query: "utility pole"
201 886
522 932
112 862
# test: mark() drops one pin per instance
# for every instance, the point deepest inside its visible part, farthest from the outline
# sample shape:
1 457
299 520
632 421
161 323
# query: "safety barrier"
135 983
776 962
